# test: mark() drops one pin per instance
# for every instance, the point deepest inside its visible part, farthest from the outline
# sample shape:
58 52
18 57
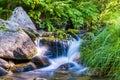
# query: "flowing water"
67 60
72 54
64 67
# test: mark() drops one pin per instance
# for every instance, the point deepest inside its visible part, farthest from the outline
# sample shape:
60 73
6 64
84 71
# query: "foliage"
56 14
6 7
102 52
52 15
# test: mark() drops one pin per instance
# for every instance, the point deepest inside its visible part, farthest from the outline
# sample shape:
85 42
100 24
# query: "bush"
51 15
56 14
6 7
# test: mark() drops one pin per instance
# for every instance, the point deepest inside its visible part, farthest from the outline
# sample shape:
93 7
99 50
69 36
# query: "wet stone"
3 71
23 67
40 78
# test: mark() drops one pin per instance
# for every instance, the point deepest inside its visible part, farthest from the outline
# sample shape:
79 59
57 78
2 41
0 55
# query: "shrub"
6 7
52 14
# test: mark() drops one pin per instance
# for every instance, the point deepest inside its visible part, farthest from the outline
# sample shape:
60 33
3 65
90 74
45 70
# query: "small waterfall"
74 49
72 54
40 48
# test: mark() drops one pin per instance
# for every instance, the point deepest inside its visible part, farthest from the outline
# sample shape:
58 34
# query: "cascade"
69 57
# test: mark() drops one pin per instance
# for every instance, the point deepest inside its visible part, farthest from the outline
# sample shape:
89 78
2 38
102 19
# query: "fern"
78 12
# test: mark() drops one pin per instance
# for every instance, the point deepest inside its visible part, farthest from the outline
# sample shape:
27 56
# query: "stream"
63 67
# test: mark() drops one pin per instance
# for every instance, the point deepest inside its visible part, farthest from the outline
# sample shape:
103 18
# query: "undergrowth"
57 14
102 52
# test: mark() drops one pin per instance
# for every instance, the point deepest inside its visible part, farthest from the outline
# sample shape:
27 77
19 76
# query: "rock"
4 64
32 34
10 26
40 61
23 67
80 72
43 33
6 78
62 75
40 78
65 66
93 73
3 72
19 16
15 45
56 47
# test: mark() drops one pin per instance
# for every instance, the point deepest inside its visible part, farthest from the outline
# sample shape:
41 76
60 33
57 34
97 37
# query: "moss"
3 28
32 35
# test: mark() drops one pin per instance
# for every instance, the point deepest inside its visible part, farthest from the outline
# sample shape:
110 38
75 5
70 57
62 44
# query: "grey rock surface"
10 26
4 64
15 45
20 16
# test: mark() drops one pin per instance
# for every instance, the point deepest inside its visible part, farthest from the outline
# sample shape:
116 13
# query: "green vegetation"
56 14
100 18
7 6
102 52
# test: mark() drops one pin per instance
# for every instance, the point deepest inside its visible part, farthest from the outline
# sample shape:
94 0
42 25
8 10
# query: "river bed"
50 75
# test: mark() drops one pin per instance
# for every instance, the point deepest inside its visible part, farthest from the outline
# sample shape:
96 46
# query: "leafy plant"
6 7
51 14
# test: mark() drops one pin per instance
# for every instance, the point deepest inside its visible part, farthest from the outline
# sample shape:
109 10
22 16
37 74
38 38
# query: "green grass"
103 52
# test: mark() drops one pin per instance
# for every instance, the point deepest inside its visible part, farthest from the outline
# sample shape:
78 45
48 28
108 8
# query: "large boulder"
14 42
20 16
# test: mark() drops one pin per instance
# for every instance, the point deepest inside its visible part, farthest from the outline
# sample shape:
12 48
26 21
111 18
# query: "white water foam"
72 54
